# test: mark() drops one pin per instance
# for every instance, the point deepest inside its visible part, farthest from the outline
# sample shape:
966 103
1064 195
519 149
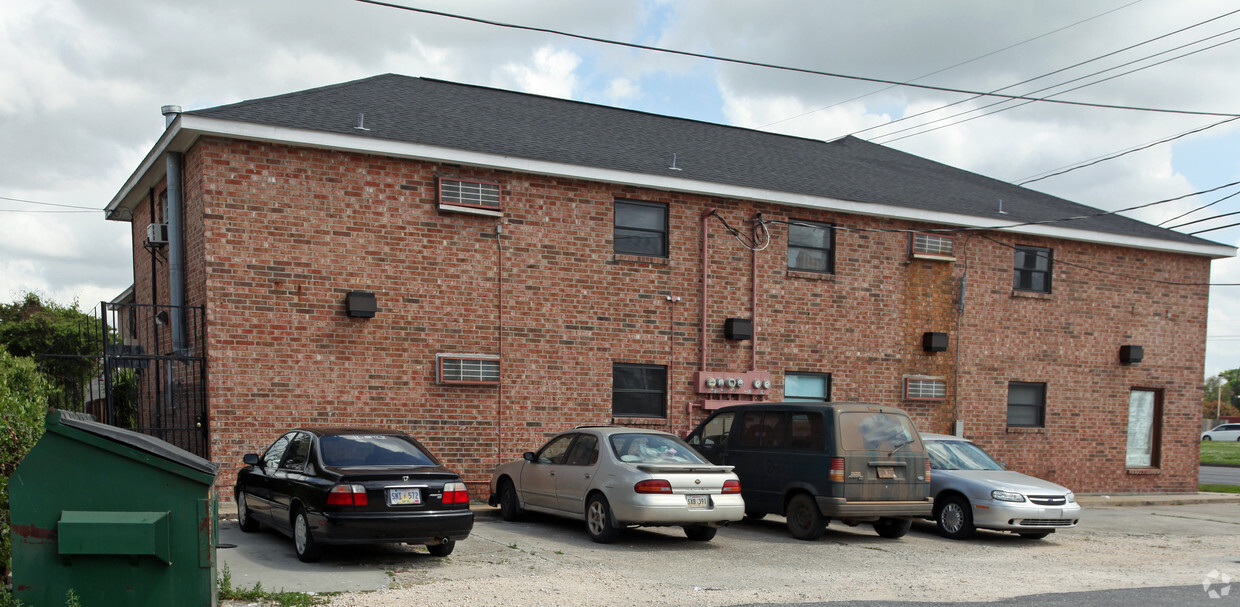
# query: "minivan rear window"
875 431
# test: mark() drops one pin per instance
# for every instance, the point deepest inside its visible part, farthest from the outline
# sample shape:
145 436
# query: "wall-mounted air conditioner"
157 233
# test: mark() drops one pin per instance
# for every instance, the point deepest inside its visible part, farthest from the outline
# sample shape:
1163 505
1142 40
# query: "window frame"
1155 429
664 234
618 393
938 255
1025 275
1040 407
826 377
829 228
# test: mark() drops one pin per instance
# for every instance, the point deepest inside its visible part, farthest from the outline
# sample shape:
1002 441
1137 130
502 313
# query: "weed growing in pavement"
257 594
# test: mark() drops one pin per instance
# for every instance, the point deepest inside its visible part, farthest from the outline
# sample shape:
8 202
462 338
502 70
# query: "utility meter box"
118 517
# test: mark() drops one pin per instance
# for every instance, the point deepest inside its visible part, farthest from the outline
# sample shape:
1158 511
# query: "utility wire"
952 67
1064 69
1012 107
47 204
1205 206
1088 163
790 69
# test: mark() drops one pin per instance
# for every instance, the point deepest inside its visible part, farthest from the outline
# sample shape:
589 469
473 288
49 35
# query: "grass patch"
1219 488
1219 452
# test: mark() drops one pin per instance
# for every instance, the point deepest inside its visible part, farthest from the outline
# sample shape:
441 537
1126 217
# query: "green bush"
23 407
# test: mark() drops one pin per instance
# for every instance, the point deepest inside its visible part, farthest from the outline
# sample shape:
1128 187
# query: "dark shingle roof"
505 123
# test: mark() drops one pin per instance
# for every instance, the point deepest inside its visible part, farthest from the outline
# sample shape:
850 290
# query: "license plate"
698 501
409 496
886 472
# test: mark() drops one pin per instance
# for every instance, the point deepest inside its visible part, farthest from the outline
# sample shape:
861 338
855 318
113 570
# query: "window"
638 390
641 228
469 196
811 247
1144 413
585 451
467 369
925 389
1026 404
932 246
813 387
1033 269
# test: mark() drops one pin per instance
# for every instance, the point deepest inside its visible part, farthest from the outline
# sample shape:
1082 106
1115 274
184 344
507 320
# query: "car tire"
700 533
599 523
443 549
308 551
1206 438
1034 535
892 528
509 504
805 521
954 518
245 518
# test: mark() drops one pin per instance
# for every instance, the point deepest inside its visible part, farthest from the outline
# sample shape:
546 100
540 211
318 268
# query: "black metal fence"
148 377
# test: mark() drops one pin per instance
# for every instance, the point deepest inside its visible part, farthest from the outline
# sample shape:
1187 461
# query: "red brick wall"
278 235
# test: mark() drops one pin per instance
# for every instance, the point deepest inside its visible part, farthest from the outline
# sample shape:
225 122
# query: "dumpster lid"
136 440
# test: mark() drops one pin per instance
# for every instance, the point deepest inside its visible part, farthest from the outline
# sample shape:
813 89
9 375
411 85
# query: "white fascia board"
187 127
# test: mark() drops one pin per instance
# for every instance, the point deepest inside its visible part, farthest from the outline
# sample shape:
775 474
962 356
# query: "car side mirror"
529 456
250 459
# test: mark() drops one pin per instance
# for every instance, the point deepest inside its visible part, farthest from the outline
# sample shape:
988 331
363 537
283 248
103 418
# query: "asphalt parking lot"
549 561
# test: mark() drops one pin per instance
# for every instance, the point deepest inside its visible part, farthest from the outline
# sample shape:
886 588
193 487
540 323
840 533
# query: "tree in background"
63 341
23 406
1215 405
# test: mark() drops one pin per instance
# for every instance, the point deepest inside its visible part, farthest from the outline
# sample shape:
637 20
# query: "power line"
1088 163
952 67
1064 69
1199 208
1012 107
47 204
787 68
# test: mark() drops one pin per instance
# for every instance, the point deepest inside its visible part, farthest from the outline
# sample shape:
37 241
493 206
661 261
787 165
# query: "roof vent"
170 113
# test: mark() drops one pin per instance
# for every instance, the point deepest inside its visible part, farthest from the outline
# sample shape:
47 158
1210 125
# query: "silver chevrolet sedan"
613 477
972 491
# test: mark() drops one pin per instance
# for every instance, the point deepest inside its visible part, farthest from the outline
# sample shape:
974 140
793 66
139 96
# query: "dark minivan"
811 462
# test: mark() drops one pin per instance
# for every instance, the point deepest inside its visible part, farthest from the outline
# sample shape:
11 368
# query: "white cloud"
549 72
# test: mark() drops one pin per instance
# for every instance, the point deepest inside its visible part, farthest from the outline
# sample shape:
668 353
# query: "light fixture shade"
738 329
1131 355
934 342
361 304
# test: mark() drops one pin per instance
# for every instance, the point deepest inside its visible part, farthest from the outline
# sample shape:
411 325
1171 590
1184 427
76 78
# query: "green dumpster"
120 518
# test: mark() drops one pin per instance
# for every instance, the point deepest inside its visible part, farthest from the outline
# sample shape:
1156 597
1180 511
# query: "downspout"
753 297
176 253
499 389
705 268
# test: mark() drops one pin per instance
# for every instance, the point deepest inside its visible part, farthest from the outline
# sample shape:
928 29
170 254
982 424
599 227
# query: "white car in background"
972 491
1223 432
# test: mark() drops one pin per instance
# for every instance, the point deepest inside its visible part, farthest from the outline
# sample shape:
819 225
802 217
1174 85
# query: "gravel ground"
550 562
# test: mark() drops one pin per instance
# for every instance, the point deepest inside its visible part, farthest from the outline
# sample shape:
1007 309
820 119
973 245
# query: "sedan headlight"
1006 496
1071 497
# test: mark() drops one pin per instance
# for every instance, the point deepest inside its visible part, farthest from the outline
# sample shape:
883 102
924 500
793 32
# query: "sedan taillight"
347 495
455 493
731 487
653 486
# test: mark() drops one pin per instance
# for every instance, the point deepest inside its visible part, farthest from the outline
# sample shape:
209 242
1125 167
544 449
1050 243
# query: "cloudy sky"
82 82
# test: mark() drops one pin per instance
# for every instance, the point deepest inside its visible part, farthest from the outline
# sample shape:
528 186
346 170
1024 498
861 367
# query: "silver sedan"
613 477
972 491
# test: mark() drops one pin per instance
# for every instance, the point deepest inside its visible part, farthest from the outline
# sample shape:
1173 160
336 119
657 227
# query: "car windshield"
638 448
371 450
959 455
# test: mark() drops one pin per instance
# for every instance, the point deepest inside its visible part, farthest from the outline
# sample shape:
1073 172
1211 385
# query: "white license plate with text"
698 501
404 496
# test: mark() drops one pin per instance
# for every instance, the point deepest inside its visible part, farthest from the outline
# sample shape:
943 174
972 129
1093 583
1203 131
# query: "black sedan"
323 486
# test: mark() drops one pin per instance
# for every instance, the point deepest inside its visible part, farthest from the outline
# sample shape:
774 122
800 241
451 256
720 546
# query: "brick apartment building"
481 268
